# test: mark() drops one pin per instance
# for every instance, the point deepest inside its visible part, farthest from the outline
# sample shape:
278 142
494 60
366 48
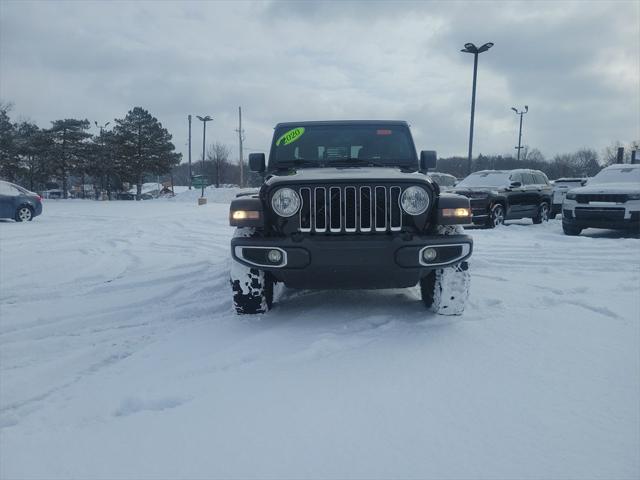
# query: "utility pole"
471 48
240 140
190 175
204 121
102 127
521 113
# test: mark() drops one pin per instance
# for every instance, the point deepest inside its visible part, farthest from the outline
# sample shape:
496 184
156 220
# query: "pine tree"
143 145
9 161
32 147
69 136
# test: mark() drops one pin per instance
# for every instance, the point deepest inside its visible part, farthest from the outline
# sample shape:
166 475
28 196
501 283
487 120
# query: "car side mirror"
257 162
428 159
515 185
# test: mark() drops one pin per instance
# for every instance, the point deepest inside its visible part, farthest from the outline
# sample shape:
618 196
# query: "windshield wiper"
298 162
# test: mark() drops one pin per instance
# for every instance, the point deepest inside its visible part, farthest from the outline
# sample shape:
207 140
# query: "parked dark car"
18 203
499 195
445 181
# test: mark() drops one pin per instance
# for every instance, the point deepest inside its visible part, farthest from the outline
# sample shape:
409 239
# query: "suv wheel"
543 214
24 214
496 217
571 230
252 288
445 290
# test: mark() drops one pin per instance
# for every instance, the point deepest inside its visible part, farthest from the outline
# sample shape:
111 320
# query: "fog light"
274 256
429 254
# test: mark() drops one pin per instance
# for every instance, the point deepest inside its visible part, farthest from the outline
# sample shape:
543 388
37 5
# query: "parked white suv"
560 188
611 199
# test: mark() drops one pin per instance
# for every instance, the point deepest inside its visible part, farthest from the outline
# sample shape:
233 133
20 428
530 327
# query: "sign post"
200 181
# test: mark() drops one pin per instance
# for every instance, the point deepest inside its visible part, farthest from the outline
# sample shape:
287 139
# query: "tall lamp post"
204 121
521 113
471 48
190 174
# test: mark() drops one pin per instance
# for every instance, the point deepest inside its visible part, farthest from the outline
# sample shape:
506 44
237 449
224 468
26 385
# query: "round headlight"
285 202
414 200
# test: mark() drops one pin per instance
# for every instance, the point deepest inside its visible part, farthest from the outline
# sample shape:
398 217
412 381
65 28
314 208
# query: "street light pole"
204 121
190 174
471 48
240 140
521 113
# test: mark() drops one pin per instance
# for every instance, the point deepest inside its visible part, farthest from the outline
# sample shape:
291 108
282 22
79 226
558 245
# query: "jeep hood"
466 190
346 175
623 187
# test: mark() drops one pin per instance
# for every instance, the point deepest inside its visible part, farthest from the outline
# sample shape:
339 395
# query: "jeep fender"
452 201
246 212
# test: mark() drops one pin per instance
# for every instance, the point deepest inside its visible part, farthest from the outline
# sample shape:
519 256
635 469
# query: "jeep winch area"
348 205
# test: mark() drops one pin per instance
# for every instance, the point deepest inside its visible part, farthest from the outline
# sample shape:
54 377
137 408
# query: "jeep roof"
516 170
340 122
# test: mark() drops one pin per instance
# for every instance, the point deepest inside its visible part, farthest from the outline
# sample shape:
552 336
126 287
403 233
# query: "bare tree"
219 166
610 154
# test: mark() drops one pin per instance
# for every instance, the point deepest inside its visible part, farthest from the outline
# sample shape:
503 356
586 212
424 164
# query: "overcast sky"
576 64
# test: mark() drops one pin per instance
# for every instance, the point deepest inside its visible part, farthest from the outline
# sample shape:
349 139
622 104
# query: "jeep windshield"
485 180
342 145
617 175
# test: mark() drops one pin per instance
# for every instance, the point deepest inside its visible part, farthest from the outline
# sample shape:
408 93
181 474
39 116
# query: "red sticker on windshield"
383 132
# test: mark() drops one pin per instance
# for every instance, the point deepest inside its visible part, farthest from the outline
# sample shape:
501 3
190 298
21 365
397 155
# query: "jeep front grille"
350 209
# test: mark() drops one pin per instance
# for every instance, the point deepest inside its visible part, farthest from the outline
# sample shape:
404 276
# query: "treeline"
583 163
39 158
137 148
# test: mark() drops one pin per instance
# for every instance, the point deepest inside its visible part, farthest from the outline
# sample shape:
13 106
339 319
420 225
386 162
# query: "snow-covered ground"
120 358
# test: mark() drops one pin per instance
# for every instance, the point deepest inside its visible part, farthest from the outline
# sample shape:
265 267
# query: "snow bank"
213 194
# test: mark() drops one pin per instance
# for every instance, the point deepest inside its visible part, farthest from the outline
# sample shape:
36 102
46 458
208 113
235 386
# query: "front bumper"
352 261
480 209
602 214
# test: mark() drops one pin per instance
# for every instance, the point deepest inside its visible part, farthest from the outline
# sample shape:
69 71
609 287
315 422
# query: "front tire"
543 214
24 214
571 230
496 217
252 288
445 290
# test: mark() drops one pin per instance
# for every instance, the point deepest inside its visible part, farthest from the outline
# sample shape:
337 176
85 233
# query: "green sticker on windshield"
290 136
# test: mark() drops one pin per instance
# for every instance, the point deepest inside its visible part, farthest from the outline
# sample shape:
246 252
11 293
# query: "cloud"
575 64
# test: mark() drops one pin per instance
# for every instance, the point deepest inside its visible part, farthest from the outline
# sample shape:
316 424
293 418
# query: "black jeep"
499 195
347 204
